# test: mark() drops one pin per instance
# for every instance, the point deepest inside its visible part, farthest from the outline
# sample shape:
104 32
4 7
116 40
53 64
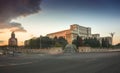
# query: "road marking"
15 64
2 65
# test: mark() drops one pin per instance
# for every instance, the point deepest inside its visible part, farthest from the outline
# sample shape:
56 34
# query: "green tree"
78 42
105 43
60 42
92 42
41 42
46 42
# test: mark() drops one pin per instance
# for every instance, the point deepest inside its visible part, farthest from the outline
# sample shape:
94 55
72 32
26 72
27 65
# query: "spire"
13 35
12 41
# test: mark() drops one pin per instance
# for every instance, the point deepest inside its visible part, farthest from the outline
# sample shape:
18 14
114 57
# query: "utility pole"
112 35
40 41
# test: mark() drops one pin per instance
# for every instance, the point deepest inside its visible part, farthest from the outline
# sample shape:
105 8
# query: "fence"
56 50
32 51
88 49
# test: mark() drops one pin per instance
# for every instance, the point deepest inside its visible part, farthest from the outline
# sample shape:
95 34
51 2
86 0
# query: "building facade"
96 36
107 40
77 30
13 41
71 33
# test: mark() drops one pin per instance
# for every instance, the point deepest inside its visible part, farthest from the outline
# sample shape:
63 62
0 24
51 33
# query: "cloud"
13 27
11 9
1 32
17 27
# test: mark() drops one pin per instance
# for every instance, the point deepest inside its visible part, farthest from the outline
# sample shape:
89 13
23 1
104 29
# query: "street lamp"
40 41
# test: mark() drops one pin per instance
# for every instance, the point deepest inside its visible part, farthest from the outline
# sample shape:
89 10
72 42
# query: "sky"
42 17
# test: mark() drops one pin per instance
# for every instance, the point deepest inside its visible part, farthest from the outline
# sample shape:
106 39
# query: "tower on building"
12 41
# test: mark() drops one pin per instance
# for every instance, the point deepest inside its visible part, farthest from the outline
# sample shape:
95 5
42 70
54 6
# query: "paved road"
65 63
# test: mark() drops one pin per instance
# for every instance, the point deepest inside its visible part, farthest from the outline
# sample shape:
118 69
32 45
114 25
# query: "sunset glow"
57 15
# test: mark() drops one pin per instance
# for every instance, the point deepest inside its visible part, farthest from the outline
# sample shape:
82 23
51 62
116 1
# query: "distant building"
27 42
109 39
71 33
81 31
96 36
12 41
77 30
74 31
106 39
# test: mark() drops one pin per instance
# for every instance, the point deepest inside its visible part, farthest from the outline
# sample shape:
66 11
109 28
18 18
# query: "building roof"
59 31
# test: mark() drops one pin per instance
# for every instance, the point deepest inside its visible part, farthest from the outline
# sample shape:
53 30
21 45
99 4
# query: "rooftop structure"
12 41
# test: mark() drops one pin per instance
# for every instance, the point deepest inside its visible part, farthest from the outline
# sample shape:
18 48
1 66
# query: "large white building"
77 30
81 31
74 31
71 33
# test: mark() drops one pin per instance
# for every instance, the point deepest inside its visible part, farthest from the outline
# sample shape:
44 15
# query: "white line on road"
14 64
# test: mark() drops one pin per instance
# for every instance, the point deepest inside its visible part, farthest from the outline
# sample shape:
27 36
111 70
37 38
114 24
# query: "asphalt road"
64 63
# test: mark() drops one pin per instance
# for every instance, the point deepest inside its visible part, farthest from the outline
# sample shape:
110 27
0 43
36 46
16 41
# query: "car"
1 53
10 52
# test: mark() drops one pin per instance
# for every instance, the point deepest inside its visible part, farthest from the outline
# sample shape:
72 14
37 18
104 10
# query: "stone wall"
59 50
35 51
88 49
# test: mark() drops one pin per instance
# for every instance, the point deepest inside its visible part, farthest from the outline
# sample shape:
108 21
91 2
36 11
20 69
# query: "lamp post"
40 41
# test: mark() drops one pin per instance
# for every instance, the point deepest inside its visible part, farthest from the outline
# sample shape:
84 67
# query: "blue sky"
103 16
